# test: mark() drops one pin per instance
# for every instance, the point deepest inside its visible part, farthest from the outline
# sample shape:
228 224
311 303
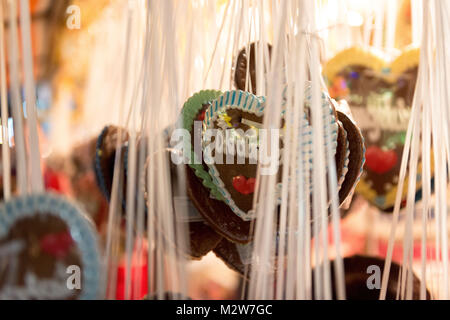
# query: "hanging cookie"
223 192
349 163
357 272
200 187
243 70
105 157
48 250
380 95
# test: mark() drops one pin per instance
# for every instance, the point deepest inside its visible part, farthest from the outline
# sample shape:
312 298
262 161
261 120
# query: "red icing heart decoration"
380 161
244 185
201 116
56 244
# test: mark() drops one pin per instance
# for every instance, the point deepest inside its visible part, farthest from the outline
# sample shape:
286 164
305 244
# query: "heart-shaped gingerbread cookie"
48 250
380 95
349 161
246 64
233 139
200 187
223 192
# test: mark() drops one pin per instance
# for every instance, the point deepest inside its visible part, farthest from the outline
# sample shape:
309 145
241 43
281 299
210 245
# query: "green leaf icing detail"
190 112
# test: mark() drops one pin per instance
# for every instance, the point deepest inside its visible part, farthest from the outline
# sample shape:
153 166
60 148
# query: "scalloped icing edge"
353 56
408 59
74 217
234 99
371 58
238 99
189 113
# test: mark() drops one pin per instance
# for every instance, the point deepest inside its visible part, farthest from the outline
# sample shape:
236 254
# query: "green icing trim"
190 110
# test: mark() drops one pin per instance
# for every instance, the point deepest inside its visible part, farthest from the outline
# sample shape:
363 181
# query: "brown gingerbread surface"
356 157
356 276
240 72
46 250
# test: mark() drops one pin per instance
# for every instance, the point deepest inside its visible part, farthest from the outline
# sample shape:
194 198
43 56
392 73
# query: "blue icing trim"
97 166
240 98
254 104
228 100
80 227
246 99
98 169
380 200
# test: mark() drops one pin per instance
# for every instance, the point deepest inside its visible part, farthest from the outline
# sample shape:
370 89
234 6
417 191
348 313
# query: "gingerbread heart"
237 117
48 250
380 96
246 63
349 161
200 187
223 192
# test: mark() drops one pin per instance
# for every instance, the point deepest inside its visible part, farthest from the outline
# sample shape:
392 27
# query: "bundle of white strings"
169 64
283 269
427 136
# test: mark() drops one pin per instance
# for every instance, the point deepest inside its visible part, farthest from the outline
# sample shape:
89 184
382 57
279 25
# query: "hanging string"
442 118
6 158
115 202
391 8
430 103
36 180
225 17
416 20
16 101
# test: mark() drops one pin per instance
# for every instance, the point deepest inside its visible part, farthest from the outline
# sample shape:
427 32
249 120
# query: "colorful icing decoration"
222 115
44 240
201 117
339 88
244 185
227 208
230 115
380 96
380 161
194 106
56 244
200 188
